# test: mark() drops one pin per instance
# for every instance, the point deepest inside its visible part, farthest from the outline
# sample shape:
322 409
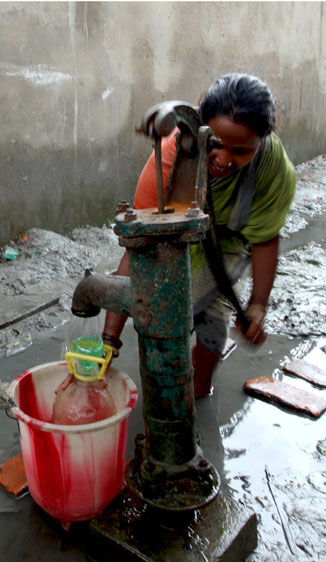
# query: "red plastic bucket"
73 471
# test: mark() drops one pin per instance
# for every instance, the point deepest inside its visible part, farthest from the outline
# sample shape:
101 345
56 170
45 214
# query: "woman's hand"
255 333
263 263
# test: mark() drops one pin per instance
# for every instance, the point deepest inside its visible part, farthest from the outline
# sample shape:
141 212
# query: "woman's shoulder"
276 149
275 160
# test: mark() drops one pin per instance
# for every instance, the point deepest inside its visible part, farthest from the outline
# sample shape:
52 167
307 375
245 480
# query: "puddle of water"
260 441
255 435
272 464
315 230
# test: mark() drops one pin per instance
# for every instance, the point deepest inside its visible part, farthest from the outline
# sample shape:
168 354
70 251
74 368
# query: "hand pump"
169 472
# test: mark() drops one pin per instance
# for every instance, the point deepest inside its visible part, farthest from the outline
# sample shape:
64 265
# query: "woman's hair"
246 99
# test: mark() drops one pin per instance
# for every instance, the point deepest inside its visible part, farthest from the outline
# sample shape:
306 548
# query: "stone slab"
287 395
13 477
306 371
130 531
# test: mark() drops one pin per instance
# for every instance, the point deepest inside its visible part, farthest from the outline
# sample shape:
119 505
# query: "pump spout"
96 291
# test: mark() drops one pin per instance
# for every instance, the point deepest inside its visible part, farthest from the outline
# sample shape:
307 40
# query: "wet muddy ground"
268 457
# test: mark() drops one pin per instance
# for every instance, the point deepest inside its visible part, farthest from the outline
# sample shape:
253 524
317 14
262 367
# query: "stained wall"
77 77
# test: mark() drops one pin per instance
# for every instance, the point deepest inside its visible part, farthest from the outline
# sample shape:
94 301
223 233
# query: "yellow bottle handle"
104 361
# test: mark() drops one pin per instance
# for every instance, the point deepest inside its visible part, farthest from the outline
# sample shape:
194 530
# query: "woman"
251 186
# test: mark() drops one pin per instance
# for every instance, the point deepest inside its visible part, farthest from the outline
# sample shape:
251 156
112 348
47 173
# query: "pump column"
162 313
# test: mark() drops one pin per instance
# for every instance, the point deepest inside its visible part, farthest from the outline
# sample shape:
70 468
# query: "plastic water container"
87 398
91 346
73 471
83 402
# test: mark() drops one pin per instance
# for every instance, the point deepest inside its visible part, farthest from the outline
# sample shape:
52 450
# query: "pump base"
130 531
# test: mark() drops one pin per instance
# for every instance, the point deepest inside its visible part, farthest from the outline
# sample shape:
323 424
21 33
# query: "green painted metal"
169 478
167 470
162 314
150 223
161 290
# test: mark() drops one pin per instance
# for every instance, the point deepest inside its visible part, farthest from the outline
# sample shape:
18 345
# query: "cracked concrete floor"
266 455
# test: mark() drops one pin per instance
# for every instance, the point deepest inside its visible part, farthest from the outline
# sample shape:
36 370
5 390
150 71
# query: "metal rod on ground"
286 529
35 310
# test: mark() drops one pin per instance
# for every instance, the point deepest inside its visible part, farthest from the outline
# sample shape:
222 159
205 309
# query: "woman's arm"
263 262
145 197
115 322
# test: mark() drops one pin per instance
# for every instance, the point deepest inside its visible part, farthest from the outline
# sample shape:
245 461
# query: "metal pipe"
96 291
159 177
162 314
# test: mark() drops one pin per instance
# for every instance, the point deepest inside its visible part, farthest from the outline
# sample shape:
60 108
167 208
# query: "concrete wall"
76 78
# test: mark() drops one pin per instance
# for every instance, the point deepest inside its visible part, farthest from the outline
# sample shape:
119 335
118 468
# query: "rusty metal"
168 471
188 178
187 237
205 135
169 487
159 174
193 212
152 224
170 484
98 291
130 215
162 118
123 205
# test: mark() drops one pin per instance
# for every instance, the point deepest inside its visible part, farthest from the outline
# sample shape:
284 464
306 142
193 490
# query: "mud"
49 266
268 457
45 273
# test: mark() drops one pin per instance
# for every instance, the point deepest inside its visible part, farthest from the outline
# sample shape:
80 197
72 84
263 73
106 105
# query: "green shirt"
272 195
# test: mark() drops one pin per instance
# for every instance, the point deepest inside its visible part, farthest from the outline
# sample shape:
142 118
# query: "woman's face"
238 146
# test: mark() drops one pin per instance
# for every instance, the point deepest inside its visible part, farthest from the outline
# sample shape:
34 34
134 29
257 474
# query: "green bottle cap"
92 346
